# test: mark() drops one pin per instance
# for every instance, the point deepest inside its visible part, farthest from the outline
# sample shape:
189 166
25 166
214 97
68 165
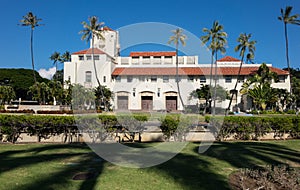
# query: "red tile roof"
107 28
228 59
190 71
153 53
89 51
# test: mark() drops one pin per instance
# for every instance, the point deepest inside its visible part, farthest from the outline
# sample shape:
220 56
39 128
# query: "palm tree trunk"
177 79
32 59
215 87
96 74
287 54
235 86
210 80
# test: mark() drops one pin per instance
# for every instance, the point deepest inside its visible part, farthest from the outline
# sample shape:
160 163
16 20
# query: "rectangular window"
191 78
202 79
178 79
228 79
168 59
180 60
80 57
146 60
104 78
118 78
156 60
281 79
129 78
165 78
241 79
135 60
96 57
142 78
88 57
88 76
153 78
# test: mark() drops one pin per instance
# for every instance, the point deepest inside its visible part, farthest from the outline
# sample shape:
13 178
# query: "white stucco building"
146 80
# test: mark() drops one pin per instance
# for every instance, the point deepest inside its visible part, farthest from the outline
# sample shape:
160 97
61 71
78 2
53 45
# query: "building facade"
146 81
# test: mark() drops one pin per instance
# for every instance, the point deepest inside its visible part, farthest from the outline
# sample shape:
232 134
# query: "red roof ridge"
107 28
228 59
152 53
89 51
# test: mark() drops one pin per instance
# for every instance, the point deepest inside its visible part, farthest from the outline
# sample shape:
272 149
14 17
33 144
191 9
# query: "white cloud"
47 73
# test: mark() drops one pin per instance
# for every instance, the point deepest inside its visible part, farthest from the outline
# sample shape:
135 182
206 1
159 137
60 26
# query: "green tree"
31 20
55 57
82 98
91 30
245 45
217 38
103 102
40 92
7 93
55 91
287 18
177 38
66 56
258 87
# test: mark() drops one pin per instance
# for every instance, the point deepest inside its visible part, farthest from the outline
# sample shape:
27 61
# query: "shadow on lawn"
253 154
13 159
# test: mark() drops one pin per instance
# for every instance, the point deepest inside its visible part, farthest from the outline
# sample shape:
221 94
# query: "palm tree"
243 46
217 38
91 30
286 18
31 20
66 56
177 38
55 57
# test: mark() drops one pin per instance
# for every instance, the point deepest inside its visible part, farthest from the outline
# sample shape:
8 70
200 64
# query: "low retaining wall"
154 136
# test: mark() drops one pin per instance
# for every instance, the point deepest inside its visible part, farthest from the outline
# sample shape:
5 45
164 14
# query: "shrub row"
44 126
246 128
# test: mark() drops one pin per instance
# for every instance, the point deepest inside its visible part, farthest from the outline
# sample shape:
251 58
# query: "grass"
52 166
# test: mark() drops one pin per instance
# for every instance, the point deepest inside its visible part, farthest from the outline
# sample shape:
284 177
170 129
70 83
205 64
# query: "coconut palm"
55 57
177 38
245 45
31 20
217 38
91 30
287 18
66 56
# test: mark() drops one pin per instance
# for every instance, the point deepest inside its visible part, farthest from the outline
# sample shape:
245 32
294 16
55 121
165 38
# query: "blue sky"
62 20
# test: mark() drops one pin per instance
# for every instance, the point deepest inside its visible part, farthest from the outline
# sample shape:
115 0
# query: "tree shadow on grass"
10 160
253 154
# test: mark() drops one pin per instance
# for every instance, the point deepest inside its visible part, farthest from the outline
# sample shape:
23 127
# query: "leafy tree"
217 38
55 91
82 98
20 80
31 20
262 94
177 38
103 102
287 18
66 56
7 94
40 92
205 92
245 45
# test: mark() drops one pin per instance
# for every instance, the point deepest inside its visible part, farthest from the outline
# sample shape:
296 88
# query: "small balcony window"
129 78
202 79
228 79
165 78
88 57
96 57
88 76
81 57
153 78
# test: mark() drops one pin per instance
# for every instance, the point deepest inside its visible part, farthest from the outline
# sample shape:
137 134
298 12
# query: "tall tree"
287 18
91 30
66 56
177 38
31 20
217 38
245 45
55 57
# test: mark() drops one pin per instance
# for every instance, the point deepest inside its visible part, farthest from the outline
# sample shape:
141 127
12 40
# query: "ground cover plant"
53 166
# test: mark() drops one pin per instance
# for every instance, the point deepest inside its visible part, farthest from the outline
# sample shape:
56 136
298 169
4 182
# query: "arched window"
88 76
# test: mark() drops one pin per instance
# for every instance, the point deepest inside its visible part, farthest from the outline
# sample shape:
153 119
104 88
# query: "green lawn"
52 166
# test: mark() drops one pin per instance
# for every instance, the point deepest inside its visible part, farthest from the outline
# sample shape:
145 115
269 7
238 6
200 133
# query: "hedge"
44 126
246 127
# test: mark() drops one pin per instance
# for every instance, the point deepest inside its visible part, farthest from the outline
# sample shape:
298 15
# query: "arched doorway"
171 101
147 100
